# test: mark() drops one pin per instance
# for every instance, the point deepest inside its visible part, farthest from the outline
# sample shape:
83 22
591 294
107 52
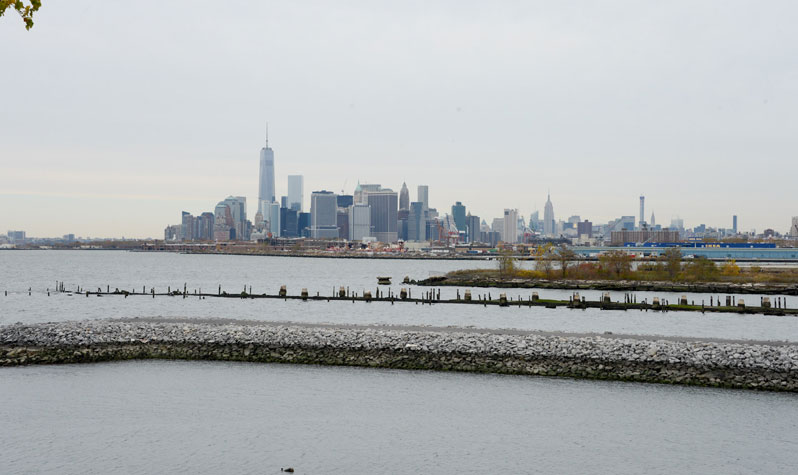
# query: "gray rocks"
739 365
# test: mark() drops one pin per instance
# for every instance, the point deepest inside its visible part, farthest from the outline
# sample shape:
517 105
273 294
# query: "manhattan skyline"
488 105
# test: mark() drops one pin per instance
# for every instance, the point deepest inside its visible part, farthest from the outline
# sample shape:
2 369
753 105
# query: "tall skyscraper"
323 215
384 214
296 192
266 185
459 215
404 197
423 195
653 221
794 227
474 228
642 211
549 226
734 224
510 223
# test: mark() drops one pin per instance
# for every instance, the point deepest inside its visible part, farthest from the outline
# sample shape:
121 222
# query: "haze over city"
118 115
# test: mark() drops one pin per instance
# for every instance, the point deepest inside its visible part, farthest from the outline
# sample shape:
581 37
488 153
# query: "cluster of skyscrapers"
373 213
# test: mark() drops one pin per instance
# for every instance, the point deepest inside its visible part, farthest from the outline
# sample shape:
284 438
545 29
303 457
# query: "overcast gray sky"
117 115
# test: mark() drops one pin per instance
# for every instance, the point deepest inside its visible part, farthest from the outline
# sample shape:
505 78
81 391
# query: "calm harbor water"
201 417
127 270
217 417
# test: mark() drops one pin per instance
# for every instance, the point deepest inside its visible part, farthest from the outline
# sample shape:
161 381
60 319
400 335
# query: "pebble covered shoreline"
704 363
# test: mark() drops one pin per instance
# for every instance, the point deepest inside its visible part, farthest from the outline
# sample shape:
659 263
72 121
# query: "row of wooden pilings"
432 295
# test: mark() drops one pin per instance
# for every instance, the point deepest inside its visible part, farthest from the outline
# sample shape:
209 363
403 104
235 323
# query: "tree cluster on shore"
563 263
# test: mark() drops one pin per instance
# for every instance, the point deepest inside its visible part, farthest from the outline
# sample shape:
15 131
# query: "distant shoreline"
466 279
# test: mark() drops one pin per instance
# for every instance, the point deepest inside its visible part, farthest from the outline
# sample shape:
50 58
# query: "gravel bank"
705 363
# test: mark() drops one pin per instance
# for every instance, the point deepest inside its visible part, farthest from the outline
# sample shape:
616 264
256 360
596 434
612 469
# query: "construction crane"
446 237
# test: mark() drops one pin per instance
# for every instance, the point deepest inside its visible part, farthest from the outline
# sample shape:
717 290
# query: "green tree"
702 269
673 261
544 260
25 9
617 263
506 263
566 257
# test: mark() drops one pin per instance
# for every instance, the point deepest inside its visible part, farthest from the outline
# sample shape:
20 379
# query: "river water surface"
218 417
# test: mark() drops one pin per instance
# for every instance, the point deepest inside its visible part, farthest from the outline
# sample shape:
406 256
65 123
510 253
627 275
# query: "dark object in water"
289 469
383 281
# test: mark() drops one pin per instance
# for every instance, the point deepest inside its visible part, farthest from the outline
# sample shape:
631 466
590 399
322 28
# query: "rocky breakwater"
675 361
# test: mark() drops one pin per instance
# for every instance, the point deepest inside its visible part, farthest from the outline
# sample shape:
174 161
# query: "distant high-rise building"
653 221
345 201
794 227
359 222
223 229
549 226
534 222
361 190
474 228
170 233
296 192
417 222
323 215
423 195
584 228
266 185
342 221
230 218
734 224
187 225
289 222
642 211
384 214
497 226
401 228
459 215
274 219
304 224
510 224
404 197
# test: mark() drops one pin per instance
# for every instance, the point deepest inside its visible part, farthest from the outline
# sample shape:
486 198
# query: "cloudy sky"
117 115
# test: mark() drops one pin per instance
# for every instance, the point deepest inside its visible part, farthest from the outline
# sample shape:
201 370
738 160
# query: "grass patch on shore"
619 268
